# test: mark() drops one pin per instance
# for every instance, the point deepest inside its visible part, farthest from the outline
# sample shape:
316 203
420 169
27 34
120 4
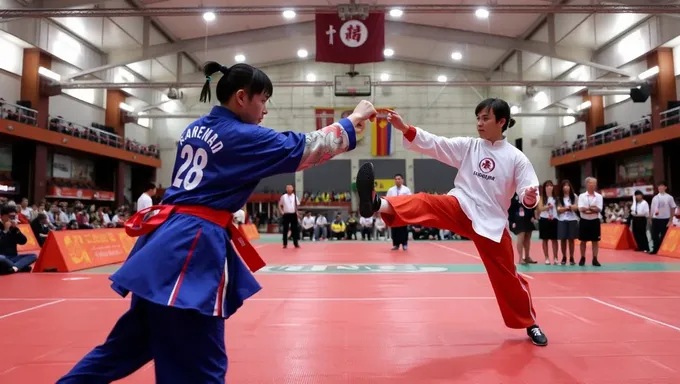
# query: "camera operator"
10 237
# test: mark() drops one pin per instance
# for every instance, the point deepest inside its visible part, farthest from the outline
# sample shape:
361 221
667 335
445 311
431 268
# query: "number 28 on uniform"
195 159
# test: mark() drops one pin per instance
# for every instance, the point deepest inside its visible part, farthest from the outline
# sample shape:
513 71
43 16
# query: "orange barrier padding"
68 251
671 243
250 230
616 236
31 245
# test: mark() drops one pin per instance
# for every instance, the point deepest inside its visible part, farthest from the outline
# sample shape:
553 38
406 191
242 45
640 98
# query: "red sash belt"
138 225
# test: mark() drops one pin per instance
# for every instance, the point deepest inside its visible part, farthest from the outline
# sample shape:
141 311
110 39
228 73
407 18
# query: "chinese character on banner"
352 41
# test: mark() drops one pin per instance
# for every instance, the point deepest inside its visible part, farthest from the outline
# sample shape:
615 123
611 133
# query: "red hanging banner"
352 41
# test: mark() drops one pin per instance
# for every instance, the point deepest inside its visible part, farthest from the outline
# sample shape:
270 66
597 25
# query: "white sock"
385 207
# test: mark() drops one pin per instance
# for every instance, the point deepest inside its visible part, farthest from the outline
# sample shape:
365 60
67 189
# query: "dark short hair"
240 76
7 209
500 108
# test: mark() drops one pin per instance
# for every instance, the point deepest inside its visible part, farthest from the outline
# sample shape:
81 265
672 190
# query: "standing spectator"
567 221
590 204
522 225
547 220
640 214
288 206
399 234
661 215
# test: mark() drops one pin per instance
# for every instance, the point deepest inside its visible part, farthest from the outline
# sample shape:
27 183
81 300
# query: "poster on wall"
61 166
635 169
66 167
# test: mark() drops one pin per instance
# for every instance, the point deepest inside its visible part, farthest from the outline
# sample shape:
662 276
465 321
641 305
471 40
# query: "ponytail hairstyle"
240 76
501 110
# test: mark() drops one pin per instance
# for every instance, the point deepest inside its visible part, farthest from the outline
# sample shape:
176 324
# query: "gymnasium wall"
10 68
441 110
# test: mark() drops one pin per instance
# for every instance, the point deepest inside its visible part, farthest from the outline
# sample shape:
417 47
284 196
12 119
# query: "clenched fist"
363 111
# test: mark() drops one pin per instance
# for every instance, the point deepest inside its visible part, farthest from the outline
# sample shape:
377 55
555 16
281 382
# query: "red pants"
444 212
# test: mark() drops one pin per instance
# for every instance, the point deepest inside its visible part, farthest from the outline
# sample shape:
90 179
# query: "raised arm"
448 150
268 152
328 142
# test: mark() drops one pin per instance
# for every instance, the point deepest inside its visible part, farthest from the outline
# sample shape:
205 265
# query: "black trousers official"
290 221
640 233
659 228
399 236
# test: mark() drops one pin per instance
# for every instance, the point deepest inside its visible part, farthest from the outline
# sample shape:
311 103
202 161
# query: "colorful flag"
381 135
351 41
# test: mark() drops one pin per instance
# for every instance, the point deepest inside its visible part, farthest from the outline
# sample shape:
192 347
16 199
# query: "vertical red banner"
352 41
324 117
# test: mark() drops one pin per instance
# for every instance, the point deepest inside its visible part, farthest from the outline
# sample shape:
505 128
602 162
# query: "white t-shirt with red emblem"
489 174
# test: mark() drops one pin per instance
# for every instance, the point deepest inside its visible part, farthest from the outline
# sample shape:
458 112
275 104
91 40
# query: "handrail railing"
670 117
59 124
20 114
618 132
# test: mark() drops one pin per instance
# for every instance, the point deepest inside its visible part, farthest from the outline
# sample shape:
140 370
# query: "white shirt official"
289 202
398 191
663 206
144 201
586 200
489 174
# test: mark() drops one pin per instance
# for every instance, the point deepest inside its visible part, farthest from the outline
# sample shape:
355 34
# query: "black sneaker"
537 336
369 202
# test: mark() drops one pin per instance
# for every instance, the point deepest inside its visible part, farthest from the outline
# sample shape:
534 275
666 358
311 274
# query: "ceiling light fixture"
482 13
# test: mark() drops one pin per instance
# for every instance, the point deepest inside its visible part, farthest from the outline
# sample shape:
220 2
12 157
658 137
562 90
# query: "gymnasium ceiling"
429 34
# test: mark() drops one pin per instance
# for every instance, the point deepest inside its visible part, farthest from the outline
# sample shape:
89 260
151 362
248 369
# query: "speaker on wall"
641 94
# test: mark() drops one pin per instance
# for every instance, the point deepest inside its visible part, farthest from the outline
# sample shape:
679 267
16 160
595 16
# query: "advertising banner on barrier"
671 243
616 236
31 245
250 231
68 251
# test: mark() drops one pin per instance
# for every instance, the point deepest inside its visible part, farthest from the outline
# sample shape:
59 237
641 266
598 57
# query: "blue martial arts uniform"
186 277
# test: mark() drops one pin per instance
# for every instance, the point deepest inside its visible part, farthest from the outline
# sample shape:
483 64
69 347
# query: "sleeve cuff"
410 135
347 125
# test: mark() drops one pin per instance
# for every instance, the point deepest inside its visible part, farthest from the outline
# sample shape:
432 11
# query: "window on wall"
568 120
